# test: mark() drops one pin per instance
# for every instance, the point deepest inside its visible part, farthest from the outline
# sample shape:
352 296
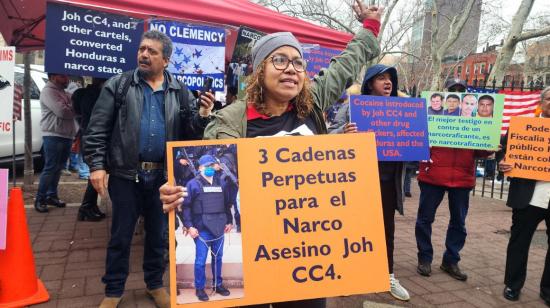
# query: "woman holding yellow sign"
282 101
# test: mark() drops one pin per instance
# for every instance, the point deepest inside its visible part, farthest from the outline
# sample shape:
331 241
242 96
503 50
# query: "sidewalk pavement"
70 260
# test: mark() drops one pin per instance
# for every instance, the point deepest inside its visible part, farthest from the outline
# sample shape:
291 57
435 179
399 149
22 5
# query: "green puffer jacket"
327 87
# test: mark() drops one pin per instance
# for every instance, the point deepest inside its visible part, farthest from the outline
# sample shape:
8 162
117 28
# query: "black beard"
144 73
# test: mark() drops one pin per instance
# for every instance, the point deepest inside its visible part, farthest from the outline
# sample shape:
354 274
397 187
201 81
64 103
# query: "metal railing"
492 181
496 179
506 85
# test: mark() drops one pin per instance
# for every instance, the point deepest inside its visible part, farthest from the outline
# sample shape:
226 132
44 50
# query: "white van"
38 81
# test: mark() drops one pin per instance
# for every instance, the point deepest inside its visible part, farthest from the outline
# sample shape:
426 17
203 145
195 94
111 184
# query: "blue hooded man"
381 80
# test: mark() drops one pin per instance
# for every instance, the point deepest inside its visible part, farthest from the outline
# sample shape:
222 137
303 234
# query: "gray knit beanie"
267 44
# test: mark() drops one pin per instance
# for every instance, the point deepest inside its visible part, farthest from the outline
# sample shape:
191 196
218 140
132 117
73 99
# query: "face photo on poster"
435 106
206 209
468 105
452 104
485 106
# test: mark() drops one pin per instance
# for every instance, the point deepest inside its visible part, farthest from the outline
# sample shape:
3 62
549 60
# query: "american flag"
518 103
17 97
481 90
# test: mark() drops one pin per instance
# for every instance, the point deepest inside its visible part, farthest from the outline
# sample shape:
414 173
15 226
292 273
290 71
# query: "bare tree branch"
532 34
387 16
515 36
440 48
400 52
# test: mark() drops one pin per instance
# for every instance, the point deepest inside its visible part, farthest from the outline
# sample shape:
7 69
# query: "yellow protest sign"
311 219
528 149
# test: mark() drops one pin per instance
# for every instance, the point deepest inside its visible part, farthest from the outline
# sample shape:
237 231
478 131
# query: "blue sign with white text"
400 125
84 42
318 58
199 52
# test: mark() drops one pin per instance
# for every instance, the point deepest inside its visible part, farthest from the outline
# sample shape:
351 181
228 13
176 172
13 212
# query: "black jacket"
83 103
111 141
521 190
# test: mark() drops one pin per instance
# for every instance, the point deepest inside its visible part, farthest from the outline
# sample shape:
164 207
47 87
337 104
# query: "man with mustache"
136 113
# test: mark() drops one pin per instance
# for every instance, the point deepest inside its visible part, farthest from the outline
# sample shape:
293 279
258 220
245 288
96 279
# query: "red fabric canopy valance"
23 21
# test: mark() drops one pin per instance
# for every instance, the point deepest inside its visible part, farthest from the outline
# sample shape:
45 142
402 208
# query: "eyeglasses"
281 63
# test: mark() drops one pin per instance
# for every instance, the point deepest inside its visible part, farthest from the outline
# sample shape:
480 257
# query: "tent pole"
28 172
13 153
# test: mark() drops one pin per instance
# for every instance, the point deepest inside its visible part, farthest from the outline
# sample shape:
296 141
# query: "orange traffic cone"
19 285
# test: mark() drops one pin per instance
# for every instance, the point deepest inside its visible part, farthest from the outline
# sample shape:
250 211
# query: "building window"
547 79
459 71
541 61
482 71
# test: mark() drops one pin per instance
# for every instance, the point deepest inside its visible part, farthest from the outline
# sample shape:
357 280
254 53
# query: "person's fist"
350 128
172 197
363 12
193 232
99 180
504 167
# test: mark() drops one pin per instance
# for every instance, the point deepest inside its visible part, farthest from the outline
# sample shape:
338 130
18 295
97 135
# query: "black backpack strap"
183 99
122 89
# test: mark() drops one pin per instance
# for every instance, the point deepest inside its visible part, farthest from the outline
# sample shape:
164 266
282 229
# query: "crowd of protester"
121 126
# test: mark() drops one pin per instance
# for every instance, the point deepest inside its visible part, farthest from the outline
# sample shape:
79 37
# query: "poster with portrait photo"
210 175
306 232
464 120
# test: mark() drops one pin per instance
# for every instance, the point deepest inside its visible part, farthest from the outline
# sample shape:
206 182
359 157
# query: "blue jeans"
77 163
430 198
130 200
201 249
56 152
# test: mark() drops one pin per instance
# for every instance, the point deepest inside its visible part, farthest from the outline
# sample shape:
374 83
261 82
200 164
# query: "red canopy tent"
23 21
